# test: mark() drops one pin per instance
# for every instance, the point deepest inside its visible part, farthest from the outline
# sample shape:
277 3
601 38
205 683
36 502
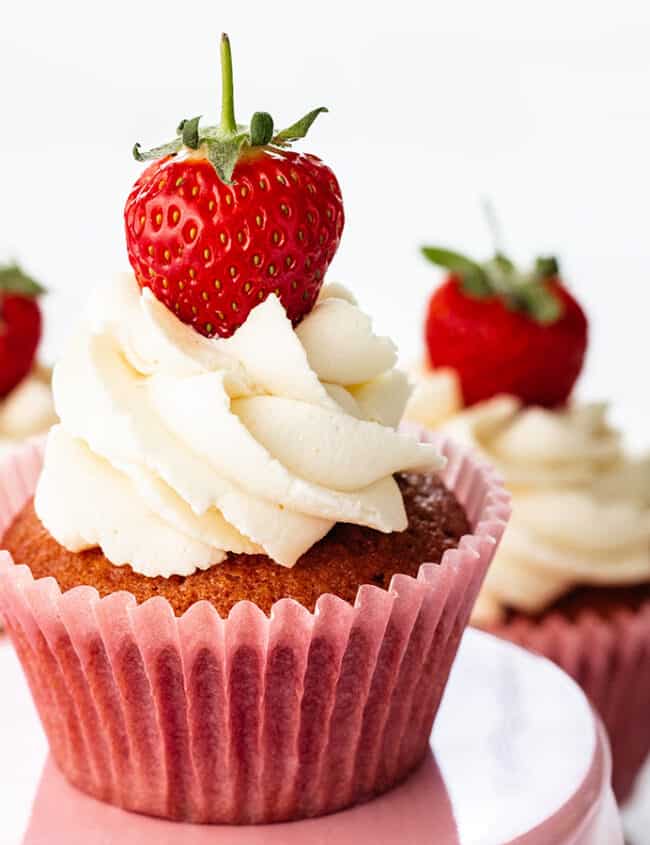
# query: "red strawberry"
226 215
503 331
20 326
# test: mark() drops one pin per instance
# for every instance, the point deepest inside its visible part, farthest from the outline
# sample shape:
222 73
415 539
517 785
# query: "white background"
543 106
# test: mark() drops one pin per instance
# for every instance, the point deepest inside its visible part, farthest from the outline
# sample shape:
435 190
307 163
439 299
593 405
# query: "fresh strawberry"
20 326
227 215
504 331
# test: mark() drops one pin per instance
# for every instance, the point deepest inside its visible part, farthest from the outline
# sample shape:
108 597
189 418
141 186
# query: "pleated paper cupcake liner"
249 718
610 659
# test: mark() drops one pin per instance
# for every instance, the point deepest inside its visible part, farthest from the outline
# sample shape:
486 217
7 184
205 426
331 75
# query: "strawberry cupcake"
235 587
26 407
571 579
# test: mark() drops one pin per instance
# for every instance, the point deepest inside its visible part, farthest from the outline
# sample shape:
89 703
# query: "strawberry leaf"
13 280
527 292
503 263
450 260
189 130
157 152
223 154
297 130
224 143
539 302
547 267
474 277
261 128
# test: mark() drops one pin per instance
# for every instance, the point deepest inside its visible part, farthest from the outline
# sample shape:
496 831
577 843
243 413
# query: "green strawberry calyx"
223 145
524 291
14 281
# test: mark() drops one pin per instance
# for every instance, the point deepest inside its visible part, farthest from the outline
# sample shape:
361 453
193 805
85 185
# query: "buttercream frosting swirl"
174 450
27 411
581 505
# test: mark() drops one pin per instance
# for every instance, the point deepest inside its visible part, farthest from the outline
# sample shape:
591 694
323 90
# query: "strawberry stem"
493 224
223 144
228 123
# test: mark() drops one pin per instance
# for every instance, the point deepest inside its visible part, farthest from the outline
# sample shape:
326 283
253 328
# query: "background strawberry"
227 215
20 325
504 331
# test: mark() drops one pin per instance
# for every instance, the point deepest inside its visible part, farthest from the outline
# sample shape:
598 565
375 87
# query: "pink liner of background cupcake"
610 660
248 719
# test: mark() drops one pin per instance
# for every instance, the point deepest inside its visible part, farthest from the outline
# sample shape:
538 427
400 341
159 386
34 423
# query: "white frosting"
174 449
581 506
435 398
27 411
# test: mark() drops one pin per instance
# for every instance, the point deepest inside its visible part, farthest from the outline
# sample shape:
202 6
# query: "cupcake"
26 407
572 576
236 588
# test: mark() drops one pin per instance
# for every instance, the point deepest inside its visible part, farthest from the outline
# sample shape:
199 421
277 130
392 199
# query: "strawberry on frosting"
228 214
26 407
219 399
20 325
504 349
504 330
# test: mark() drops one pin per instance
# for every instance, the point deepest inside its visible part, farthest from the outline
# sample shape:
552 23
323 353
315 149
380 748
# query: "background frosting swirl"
581 506
27 411
174 449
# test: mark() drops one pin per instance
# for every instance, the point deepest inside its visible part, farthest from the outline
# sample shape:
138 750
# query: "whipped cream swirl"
174 450
27 411
581 507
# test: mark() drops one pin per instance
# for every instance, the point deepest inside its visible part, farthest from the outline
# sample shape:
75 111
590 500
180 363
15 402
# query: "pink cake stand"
518 758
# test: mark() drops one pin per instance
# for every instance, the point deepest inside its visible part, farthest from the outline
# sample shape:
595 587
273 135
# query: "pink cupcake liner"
247 719
610 660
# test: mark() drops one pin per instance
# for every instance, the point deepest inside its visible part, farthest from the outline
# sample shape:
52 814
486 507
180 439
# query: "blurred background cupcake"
572 577
26 407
